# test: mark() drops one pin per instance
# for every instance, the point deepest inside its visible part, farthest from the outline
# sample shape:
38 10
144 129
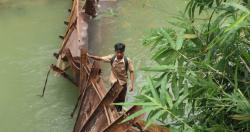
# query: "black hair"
119 47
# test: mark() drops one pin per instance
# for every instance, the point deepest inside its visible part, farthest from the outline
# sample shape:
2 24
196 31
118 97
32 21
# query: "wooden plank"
107 100
62 73
88 102
117 126
75 67
83 65
90 98
71 19
66 40
72 14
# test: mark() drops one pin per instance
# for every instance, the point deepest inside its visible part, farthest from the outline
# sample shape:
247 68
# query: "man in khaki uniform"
120 64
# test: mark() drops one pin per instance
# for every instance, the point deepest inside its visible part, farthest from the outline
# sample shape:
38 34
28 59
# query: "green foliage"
202 75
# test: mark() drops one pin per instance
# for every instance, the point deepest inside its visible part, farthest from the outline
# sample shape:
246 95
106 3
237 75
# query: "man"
120 65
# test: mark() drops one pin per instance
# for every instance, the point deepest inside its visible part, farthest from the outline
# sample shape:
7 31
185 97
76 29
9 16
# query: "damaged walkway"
95 112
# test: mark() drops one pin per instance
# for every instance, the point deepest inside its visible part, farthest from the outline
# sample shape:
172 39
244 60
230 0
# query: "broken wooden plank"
117 125
62 73
107 100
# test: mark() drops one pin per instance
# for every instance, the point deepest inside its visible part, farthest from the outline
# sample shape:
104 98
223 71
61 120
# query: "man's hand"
93 57
132 78
131 88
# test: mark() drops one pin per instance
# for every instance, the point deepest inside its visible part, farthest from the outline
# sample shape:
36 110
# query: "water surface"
28 37
29 32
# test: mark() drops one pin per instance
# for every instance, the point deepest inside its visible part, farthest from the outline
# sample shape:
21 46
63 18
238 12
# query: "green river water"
29 32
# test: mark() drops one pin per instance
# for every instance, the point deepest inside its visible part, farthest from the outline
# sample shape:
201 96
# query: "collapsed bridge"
95 112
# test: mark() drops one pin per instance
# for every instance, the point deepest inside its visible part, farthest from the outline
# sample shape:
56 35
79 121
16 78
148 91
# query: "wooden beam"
107 100
62 73
117 126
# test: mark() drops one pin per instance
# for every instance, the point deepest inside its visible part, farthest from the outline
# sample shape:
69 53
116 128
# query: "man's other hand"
131 88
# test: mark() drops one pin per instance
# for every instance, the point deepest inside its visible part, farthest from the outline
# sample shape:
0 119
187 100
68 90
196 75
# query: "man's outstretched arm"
100 58
94 57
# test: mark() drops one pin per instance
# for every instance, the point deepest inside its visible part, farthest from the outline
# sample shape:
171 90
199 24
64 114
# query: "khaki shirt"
118 70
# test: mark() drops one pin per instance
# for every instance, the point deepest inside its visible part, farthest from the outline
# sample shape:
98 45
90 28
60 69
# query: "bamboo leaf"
190 36
138 113
169 100
169 38
180 39
163 89
152 100
160 53
174 87
161 68
154 117
217 2
201 9
245 117
136 103
236 77
236 23
238 6
153 90
180 99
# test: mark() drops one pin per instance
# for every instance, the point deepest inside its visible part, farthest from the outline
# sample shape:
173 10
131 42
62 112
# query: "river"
29 36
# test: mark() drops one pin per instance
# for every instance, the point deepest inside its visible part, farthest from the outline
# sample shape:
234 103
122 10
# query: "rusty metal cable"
46 80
